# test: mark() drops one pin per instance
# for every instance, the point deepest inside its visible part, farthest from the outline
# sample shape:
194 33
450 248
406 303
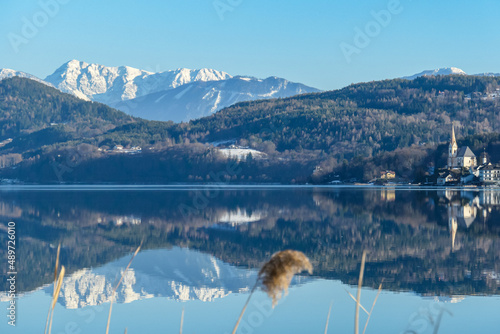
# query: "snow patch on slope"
200 99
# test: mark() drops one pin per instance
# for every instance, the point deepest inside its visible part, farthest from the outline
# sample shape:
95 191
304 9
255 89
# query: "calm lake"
436 253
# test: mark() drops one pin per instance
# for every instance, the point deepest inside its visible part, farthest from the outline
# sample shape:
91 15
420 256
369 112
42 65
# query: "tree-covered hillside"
362 119
26 105
354 132
33 114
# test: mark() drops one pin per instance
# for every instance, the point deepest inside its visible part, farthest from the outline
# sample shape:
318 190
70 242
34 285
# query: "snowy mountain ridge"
113 84
436 72
6 73
199 99
448 71
176 95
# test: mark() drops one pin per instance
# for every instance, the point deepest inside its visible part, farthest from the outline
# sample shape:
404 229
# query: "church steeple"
453 149
453 140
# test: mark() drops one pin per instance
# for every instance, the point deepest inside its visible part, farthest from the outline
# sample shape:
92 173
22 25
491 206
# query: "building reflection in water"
464 207
388 194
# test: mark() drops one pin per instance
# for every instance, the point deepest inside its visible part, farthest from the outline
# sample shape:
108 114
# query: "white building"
489 174
458 158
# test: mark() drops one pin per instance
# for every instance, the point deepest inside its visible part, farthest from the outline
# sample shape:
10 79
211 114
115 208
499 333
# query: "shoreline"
191 186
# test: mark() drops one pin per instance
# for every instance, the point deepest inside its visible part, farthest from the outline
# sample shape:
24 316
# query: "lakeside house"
388 175
462 159
489 173
446 177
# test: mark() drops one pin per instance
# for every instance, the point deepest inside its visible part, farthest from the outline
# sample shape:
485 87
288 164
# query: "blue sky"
298 40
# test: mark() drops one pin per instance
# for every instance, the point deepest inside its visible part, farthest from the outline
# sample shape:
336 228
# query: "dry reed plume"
276 275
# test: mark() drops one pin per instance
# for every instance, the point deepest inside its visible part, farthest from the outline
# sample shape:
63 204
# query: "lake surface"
436 253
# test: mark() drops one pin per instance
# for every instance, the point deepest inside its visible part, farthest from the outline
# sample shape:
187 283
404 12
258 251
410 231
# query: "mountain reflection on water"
433 242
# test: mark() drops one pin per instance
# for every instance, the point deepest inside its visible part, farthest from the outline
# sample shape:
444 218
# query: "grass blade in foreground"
55 283
182 320
117 285
358 296
56 295
373 306
328 317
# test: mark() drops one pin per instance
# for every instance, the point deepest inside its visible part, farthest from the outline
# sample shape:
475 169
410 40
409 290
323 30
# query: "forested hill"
355 132
27 106
363 119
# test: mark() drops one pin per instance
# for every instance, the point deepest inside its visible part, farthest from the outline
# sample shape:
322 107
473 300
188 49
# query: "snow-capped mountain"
8 73
200 99
179 274
436 72
114 84
178 95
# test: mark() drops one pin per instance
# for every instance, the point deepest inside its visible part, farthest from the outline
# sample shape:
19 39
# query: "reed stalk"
328 317
55 283
358 296
182 320
56 296
117 285
373 306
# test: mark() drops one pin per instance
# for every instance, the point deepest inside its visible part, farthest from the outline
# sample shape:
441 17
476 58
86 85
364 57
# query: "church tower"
452 150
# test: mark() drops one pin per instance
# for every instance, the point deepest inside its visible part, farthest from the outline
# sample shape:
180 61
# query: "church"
458 158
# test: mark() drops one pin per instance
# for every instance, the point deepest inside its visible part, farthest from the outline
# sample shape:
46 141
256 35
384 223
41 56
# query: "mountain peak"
436 72
114 84
74 62
178 95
